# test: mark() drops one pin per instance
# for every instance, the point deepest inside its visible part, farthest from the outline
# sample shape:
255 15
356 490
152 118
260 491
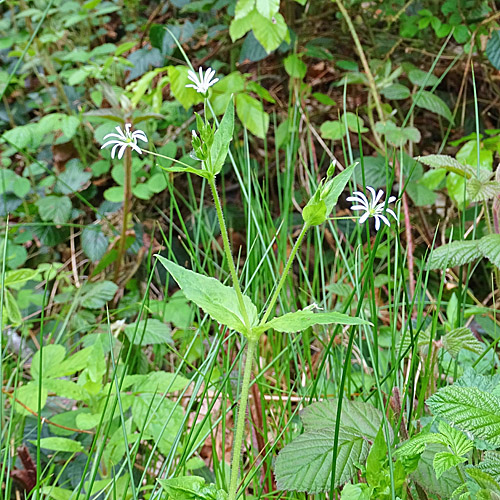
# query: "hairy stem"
229 255
127 198
240 422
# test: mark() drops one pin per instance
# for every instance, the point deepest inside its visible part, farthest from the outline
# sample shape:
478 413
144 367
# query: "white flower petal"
106 144
358 207
364 217
384 219
119 137
390 211
391 199
378 197
114 149
135 147
372 191
377 223
122 150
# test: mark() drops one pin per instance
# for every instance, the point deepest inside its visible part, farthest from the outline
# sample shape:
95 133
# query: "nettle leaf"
493 49
459 443
448 482
470 409
461 338
456 253
447 162
433 103
219 301
222 139
360 423
485 480
56 209
444 460
300 320
60 444
357 416
94 242
489 246
480 190
96 295
151 331
306 463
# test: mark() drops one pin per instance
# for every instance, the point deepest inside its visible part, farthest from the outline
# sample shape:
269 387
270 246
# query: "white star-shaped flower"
124 140
202 83
373 208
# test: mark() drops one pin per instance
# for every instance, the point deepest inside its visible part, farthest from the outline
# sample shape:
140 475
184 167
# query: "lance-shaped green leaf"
489 246
300 320
219 301
222 139
188 170
326 196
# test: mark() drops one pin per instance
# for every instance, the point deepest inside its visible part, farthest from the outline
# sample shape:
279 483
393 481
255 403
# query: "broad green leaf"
417 444
267 8
396 91
448 163
306 463
251 114
295 67
160 418
19 276
52 356
94 242
470 409
27 395
65 388
433 103
444 461
489 246
356 492
161 382
219 301
187 96
243 8
484 479
398 136
332 129
55 209
300 320
95 295
426 477
422 78
461 338
73 179
456 253
239 27
60 444
12 309
269 32
56 493
356 416
21 137
151 331
493 49
222 138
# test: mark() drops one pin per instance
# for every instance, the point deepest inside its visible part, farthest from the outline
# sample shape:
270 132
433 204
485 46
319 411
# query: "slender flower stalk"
127 199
